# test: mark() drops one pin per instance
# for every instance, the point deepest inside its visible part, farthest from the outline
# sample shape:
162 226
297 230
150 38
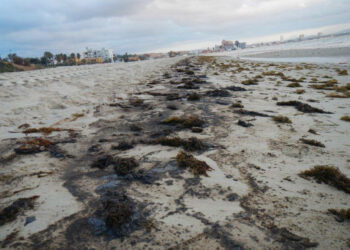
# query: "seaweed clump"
237 105
136 102
312 142
328 175
190 144
33 146
43 130
218 92
187 122
342 214
281 119
345 118
250 82
193 97
103 162
250 113
294 85
124 145
244 124
343 72
124 166
236 88
11 212
336 95
119 211
300 91
197 167
302 107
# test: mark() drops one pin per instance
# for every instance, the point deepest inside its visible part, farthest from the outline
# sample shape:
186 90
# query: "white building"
104 54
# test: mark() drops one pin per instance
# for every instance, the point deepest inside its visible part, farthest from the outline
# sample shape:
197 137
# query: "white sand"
266 155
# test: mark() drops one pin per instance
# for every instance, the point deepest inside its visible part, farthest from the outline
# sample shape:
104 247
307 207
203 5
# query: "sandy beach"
66 131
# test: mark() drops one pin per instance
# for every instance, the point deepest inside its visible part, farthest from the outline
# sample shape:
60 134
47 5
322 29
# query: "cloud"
29 27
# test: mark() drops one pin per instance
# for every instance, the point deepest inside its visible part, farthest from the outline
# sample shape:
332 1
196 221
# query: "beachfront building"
99 56
227 45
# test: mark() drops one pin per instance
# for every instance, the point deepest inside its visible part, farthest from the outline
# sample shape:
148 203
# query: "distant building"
281 38
103 55
227 45
242 45
301 37
319 34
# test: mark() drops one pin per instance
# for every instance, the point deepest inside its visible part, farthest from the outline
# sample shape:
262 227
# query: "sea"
338 42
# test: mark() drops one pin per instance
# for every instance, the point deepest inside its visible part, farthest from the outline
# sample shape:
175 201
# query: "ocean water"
325 43
314 59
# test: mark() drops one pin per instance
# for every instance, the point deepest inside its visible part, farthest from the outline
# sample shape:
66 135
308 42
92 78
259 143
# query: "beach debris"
300 91
345 118
186 160
44 130
33 146
103 162
173 96
166 75
98 226
273 73
218 93
296 241
124 166
189 72
244 124
193 97
9 238
190 144
302 107
198 80
281 119
136 102
29 220
328 175
124 145
235 88
76 116
232 197
197 129
312 142
149 224
135 128
250 113
294 85
336 95
342 214
250 82
119 210
187 122
342 72
172 106
312 131
25 126
237 105
326 85
11 212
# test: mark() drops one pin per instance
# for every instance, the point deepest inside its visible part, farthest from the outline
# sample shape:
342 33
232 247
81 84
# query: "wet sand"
253 197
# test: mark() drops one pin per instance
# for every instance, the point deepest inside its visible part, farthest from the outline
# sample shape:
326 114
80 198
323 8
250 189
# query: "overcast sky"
29 27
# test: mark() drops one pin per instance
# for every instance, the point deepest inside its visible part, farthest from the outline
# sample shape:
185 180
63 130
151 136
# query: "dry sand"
252 199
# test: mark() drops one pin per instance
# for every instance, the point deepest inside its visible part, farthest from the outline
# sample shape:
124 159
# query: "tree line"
46 60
